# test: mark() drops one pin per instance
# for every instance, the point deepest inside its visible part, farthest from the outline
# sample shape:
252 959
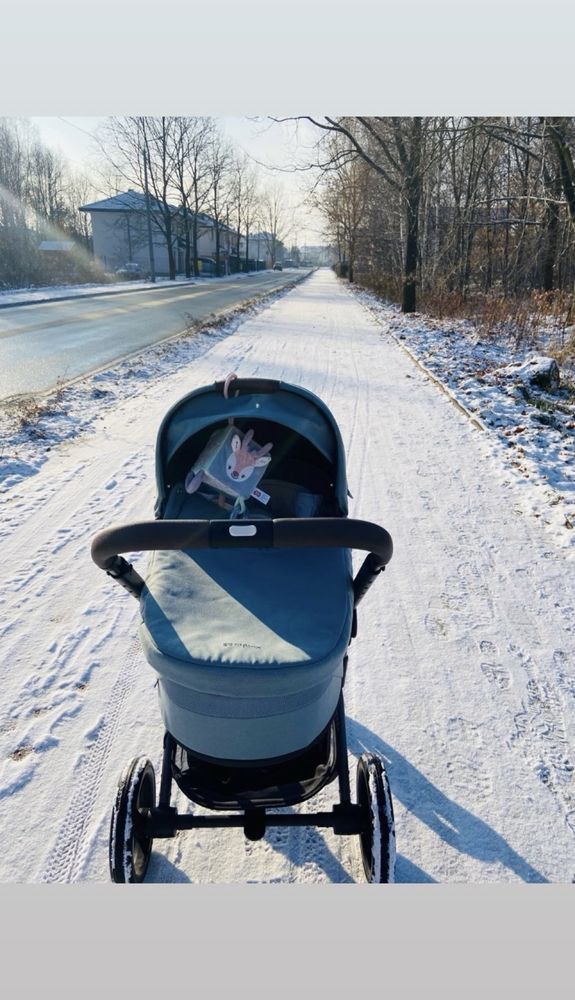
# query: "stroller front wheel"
377 840
130 847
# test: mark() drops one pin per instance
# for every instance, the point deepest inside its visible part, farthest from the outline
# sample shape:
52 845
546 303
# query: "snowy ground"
532 431
463 672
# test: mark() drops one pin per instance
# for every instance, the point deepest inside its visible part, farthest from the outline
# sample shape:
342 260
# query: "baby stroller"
246 621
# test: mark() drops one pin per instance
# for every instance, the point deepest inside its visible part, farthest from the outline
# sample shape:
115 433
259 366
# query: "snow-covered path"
462 675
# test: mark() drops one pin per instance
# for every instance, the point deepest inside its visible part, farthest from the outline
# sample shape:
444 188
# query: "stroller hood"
251 399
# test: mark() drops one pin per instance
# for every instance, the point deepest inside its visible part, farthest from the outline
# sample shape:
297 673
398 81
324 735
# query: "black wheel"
377 839
130 846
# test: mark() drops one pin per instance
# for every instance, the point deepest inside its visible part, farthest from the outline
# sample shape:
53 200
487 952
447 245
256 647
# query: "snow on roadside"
31 427
52 293
532 432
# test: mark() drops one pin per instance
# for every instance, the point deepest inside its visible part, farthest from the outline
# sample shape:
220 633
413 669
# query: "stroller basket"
279 783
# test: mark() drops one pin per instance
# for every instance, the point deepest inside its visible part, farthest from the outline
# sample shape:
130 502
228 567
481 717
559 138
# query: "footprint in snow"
566 681
426 499
465 765
41 710
469 571
454 601
468 773
436 626
497 674
486 646
25 775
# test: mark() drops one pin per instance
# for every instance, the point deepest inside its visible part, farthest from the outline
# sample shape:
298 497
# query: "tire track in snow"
66 858
54 589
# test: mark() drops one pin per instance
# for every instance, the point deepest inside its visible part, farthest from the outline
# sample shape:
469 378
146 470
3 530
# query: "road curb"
88 295
475 420
112 291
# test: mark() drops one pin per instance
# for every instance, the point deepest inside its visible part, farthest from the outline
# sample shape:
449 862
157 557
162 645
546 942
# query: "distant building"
318 256
120 234
262 246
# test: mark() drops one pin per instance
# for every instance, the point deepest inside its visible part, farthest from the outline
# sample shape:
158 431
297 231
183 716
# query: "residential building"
120 234
262 246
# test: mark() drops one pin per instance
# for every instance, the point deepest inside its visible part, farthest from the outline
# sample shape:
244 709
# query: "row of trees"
184 163
420 208
190 170
39 200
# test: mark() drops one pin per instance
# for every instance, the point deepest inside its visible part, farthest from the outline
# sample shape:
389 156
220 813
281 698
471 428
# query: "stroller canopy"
253 401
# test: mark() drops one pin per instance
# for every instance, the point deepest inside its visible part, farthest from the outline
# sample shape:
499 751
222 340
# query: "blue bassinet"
249 648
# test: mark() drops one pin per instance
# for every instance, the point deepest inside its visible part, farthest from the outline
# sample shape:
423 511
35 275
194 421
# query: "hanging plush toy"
232 463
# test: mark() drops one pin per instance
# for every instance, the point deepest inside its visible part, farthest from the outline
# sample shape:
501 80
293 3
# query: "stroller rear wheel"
130 847
377 839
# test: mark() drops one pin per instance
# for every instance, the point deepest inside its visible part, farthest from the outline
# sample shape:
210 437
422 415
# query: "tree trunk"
552 232
565 159
195 246
188 252
170 247
408 304
413 195
218 266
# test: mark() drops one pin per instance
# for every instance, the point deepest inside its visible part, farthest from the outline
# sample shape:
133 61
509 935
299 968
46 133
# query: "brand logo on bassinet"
242 645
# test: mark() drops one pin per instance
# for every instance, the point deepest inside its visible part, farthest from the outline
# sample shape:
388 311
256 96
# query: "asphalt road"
43 343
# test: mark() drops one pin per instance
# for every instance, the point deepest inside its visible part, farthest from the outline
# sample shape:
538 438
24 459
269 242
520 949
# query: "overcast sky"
269 144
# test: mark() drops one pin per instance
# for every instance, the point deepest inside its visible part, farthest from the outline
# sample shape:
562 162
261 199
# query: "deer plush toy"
232 463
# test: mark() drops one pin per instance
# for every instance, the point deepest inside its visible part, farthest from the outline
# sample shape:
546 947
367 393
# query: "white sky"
269 144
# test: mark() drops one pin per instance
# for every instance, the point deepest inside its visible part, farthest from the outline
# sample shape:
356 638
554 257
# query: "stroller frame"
136 818
346 818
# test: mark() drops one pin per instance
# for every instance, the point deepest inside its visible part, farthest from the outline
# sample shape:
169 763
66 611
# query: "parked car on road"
278 266
131 271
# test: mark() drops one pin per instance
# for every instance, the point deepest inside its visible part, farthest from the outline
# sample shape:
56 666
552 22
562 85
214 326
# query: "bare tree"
243 207
345 201
273 218
561 132
16 264
395 148
220 160
471 204
143 151
79 191
193 179
37 201
47 185
251 207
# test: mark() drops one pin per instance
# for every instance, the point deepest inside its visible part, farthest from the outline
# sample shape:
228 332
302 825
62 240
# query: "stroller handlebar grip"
285 533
